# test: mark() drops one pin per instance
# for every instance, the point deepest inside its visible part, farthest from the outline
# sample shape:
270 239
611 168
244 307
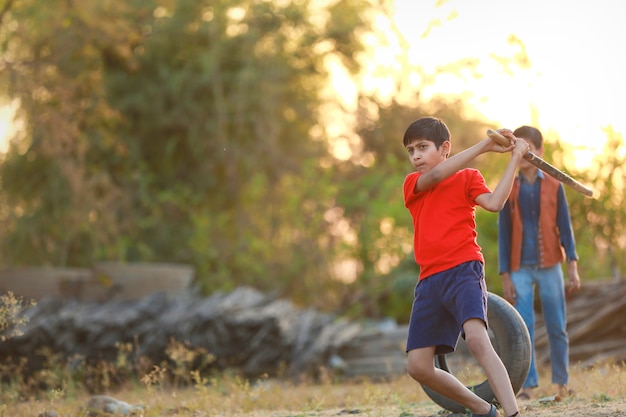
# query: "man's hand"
508 288
574 278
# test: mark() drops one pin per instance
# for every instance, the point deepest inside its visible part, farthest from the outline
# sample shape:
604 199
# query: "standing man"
534 238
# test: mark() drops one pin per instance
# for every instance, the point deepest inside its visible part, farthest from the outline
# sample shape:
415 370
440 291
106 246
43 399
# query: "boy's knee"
478 345
420 372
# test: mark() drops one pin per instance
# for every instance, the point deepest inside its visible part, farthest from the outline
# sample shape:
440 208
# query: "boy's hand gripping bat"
544 166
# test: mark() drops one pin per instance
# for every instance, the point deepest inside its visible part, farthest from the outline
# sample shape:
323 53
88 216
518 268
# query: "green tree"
196 131
175 131
600 222
56 207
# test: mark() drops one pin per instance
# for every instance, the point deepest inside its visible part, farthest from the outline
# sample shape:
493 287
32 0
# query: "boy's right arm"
495 201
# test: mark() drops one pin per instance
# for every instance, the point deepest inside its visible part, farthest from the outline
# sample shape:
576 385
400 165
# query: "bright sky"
576 83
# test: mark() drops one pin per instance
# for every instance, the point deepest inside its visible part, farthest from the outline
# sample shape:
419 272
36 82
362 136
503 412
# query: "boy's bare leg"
421 367
478 343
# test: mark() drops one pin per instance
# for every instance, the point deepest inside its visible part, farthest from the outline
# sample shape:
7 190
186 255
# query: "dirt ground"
569 408
577 407
598 392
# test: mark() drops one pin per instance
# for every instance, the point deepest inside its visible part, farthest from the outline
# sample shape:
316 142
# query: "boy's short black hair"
530 134
428 128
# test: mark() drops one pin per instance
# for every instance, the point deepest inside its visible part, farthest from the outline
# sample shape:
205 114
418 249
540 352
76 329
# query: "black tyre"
511 341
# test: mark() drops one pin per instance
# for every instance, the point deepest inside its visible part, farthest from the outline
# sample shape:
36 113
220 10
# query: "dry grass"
599 392
177 388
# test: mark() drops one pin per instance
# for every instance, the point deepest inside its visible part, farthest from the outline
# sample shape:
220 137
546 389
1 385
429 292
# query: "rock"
49 413
99 404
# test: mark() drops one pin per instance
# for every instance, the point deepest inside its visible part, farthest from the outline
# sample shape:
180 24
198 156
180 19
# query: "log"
596 326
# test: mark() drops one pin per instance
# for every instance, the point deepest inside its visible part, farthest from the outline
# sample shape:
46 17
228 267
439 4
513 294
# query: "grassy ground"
598 392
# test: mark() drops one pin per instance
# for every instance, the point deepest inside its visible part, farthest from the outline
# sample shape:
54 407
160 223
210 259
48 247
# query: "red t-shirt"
444 220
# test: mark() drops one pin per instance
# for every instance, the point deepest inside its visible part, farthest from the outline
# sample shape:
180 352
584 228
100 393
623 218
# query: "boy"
534 239
451 295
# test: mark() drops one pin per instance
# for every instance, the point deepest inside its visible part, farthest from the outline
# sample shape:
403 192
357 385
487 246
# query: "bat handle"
498 137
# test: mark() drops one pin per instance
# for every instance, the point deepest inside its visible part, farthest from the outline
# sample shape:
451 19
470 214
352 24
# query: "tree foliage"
173 131
196 131
601 221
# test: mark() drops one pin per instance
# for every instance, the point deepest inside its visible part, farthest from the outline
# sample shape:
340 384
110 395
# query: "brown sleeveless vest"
550 249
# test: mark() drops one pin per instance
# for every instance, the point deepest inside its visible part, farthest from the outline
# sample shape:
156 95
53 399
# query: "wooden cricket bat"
544 166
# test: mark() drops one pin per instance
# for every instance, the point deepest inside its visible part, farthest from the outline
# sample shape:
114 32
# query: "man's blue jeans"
549 282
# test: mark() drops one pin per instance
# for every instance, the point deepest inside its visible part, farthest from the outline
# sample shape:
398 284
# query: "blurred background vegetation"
211 132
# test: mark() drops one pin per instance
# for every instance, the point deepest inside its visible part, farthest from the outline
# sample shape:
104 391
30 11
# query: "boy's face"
424 154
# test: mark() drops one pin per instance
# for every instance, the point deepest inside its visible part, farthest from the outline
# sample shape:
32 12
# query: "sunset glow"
6 126
558 65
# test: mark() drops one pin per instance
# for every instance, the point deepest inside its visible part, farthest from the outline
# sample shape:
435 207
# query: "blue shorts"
443 302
